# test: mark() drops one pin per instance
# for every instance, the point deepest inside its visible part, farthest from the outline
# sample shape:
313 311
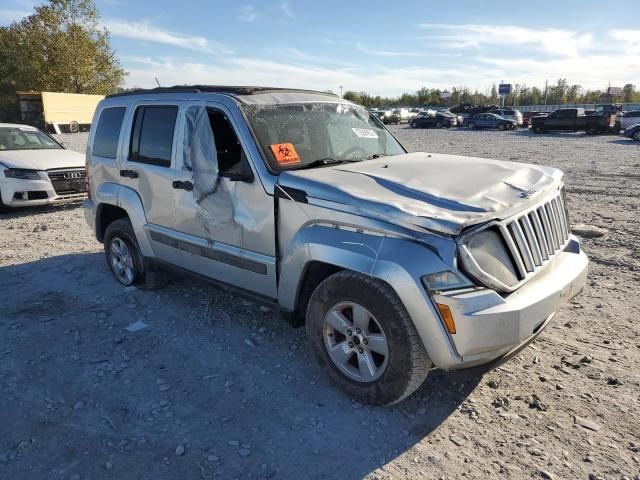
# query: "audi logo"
72 175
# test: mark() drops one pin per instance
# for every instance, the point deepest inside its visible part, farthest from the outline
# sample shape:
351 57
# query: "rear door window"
152 135
105 141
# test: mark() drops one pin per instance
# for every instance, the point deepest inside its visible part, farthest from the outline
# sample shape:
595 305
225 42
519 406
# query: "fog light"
447 317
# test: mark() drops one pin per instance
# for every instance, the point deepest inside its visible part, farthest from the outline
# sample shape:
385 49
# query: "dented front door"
224 226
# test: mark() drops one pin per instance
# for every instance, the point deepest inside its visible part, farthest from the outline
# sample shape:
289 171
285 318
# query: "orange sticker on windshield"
285 153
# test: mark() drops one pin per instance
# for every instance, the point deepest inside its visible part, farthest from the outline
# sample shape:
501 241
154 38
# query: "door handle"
129 173
180 185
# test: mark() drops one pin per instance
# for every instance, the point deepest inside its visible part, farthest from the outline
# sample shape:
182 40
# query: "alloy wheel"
355 342
122 262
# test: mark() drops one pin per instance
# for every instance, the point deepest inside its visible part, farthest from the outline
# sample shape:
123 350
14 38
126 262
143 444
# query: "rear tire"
636 136
502 127
74 127
471 126
438 125
345 313
125 259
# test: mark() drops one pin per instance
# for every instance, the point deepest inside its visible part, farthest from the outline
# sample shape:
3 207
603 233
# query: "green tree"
352 97
629 93
62 48
494 94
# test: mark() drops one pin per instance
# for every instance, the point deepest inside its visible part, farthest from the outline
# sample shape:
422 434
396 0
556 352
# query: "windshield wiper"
319 163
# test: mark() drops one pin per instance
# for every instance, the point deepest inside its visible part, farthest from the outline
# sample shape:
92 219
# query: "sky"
381 47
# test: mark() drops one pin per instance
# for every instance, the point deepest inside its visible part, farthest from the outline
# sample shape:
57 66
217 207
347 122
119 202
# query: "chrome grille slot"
531 239
537 235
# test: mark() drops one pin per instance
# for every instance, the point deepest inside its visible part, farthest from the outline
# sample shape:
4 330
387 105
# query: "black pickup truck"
573 119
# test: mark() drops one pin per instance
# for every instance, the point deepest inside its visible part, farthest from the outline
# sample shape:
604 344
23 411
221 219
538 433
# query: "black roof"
228 89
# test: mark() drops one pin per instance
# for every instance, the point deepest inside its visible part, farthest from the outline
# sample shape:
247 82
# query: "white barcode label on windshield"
364 133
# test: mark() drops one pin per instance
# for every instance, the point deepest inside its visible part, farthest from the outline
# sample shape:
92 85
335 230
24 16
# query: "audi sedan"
37 170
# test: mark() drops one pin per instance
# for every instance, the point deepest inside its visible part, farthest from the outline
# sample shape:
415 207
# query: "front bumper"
23 193
490 325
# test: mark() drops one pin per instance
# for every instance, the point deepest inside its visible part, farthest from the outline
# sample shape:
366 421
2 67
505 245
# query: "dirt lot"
217 387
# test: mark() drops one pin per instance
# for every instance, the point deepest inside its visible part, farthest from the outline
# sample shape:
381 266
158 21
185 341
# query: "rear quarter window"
105 141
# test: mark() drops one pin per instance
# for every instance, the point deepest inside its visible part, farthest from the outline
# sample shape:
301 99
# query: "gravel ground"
217 387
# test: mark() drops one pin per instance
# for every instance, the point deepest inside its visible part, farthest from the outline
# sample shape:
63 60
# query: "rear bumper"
489 325
24 193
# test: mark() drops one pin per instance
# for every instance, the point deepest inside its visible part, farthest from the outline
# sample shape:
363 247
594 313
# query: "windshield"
25 138
294 135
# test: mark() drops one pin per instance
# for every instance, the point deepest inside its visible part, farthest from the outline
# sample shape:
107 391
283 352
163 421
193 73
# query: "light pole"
340 91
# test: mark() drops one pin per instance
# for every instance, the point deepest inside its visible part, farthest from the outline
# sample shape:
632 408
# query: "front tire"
125 259
636 136
471 126
502 127
364 339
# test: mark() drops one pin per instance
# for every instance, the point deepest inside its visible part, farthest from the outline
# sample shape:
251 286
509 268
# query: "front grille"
535 236
68 180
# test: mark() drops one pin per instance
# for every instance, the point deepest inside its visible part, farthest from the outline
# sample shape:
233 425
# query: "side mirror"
242 173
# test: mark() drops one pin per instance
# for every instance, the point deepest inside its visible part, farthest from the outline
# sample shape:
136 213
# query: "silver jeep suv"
397 262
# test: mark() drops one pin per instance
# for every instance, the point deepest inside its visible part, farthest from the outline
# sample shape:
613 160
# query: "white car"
510 113
37 170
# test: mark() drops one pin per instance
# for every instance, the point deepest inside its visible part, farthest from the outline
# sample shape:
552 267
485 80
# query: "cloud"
594 71
288 11
386 53
150 33
627 36
247 14
552 41
9 16
256 71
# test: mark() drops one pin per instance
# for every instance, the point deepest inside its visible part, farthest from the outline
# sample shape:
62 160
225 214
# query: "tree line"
560 93
59 48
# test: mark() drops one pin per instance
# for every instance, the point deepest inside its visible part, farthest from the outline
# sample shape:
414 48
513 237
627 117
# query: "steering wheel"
350 153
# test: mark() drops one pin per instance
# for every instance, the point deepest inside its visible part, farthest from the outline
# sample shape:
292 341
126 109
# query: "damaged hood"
44 159
443 193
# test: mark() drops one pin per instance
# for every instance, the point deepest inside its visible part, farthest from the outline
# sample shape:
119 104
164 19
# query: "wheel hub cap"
355 342
122 261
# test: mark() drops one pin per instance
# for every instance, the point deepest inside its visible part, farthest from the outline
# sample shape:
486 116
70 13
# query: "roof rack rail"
229 89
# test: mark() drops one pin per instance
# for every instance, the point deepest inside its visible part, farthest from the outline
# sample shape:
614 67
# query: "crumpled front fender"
400 262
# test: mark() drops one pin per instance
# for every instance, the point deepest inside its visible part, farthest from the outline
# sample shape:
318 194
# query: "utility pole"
546 90
340 91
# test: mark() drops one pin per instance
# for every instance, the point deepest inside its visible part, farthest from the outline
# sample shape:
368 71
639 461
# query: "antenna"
158 82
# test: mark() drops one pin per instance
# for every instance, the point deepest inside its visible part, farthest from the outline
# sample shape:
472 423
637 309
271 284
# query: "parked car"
573 119
36 170
633 132
527 116
434 120
629 118
399 116
489 120
398 262
510 113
